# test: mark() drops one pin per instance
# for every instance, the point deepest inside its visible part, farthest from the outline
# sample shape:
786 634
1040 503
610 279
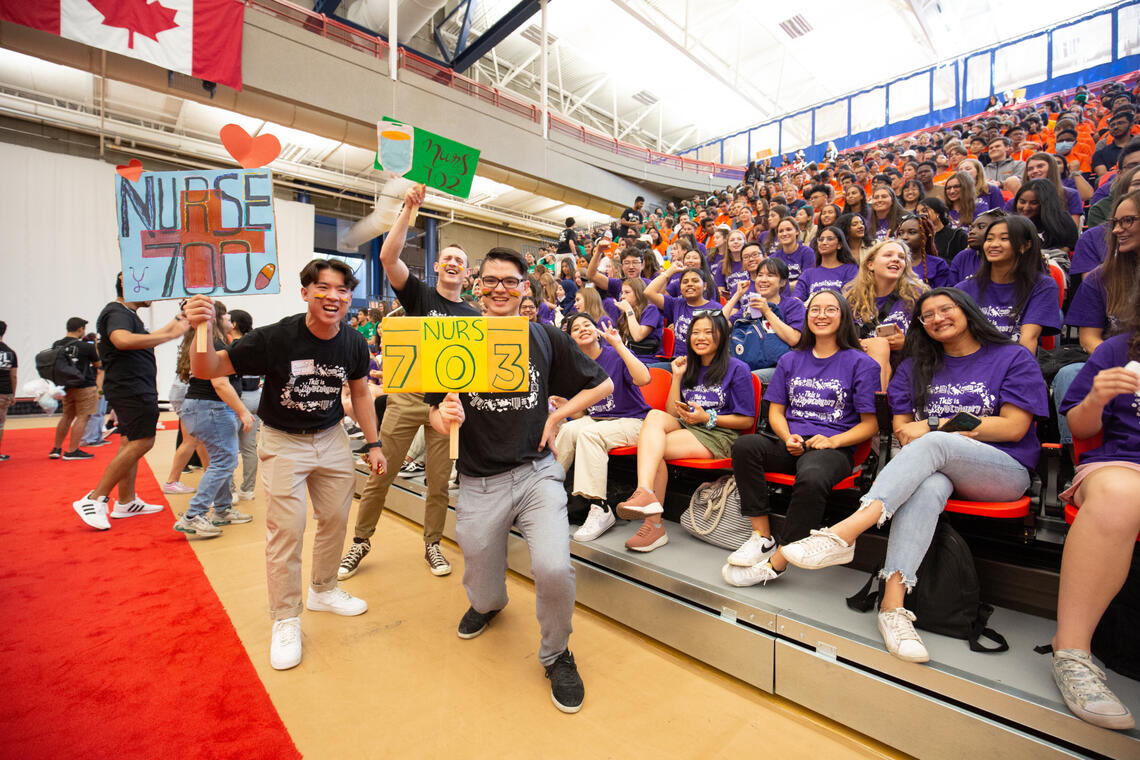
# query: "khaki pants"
585 443
406 414
289 464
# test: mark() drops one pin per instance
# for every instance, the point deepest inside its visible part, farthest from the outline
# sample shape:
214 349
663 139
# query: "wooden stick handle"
453 440
202 337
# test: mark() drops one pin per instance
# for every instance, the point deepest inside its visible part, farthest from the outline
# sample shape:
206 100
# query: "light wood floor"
398 682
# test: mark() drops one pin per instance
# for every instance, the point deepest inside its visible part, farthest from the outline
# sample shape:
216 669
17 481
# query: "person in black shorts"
306 360
126 351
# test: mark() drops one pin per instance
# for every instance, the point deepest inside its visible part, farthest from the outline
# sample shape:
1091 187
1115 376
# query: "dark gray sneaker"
352 558
473 623
566 689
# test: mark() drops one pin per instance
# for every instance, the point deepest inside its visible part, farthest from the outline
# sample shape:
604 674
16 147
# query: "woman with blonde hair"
961 199
589 301
982 188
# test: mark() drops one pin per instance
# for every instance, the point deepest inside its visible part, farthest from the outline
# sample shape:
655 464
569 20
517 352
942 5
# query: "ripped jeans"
916 483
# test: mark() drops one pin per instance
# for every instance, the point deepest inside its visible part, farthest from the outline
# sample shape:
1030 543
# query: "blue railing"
973 82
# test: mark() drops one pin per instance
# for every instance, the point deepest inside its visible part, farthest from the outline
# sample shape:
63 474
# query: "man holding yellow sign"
509 476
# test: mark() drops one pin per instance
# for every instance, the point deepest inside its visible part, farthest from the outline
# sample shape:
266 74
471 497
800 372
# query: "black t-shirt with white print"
303 373
421 300
502 430
567 241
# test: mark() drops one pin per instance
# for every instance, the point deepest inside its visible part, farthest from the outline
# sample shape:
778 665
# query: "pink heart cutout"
249 152
132 170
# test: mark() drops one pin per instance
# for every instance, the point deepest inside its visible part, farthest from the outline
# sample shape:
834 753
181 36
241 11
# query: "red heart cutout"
132 170
250 152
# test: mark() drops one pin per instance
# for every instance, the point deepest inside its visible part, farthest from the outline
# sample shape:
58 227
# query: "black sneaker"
566 688
55 454
70 456
351 562
473 623
4 457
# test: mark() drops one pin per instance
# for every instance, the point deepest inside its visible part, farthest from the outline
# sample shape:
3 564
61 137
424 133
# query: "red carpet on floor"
113 643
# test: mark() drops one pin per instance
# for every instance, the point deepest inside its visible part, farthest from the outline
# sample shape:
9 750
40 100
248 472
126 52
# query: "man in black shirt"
509 476
1108 149
632 218
8 365
306 360
126 352
81 401
406 413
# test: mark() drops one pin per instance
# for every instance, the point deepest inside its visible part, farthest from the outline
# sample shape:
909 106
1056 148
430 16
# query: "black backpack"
947 598
60 365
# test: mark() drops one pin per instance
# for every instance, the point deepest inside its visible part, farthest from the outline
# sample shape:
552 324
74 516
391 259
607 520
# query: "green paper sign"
425 157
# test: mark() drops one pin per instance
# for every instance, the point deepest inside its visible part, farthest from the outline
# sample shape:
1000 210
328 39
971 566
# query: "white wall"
59 253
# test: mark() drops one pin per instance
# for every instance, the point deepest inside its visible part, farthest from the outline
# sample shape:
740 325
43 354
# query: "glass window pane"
945 88
796 132
978 77
910 97
831 121
1021 63
868 111
1128 31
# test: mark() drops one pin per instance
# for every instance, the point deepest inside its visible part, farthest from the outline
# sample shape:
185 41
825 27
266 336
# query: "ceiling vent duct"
796 26
646 97
534 34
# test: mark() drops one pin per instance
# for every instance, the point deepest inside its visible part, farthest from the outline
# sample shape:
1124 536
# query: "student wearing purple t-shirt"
679 311
632 264
710 401
956 361
1092 247
967 261
614 421
1014 294
777 314
822 405
589 301
928 266
639 322
1104 400
797 256
834 265
882 299
731 269
691 259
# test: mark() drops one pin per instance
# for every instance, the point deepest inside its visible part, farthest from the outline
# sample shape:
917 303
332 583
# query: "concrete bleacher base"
797 639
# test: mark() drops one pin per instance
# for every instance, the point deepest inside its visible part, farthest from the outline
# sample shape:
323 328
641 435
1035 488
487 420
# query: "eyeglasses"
1125 222
942 311
528 307
827 311
510 283
697 314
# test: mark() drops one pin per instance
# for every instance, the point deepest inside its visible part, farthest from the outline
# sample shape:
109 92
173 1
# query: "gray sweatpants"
530 497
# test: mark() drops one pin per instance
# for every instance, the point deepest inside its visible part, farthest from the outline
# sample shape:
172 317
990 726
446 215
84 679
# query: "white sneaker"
1083 687
243 495
897 629
754 551
198 525
93 512
335 600
734 575
135 507
821 549
597 522
285 649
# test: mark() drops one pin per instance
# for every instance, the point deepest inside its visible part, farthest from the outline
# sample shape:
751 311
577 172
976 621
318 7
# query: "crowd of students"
929 268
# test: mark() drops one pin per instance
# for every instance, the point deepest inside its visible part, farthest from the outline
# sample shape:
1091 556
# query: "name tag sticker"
302 367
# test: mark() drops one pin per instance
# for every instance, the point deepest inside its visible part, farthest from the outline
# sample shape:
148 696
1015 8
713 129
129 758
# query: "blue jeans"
247 442
916 483
94 431
216 426
1061 382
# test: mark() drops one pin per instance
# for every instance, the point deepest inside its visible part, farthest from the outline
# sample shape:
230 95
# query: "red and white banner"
201 38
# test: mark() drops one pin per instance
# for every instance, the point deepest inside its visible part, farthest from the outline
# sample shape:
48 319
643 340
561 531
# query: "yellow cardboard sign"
460 354
766 153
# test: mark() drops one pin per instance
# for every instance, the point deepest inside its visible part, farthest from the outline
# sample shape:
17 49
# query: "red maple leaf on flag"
141 16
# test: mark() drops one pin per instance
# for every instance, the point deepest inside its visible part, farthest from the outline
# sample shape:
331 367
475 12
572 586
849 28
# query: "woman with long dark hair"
822 405
710 402
835 266
1037 201
1106 487
679 311
829 216
961 202
1010 286
1044 166
854 229
885 213
912 192
639 322
955 362
795 254
773 311
928 266
855 201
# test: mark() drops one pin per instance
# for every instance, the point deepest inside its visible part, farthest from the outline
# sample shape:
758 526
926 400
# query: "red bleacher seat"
667 341
1049 341
656 395
722 464
862 451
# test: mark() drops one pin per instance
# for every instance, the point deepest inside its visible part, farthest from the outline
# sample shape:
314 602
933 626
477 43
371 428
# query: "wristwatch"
373 445
934 422
710 423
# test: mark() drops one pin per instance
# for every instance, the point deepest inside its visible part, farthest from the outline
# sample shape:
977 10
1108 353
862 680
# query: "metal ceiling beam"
519 68
602 79
922 13
496 33
637 121
327 7
681 139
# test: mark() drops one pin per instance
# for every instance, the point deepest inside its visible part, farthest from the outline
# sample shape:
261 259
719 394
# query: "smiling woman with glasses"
954 361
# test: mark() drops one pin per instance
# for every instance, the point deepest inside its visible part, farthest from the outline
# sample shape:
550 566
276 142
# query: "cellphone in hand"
885 331
960 421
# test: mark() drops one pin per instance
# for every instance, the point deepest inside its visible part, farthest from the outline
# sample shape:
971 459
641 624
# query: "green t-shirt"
368 330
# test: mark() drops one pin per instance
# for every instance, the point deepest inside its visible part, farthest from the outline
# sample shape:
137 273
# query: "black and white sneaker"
566 689
351 562
435 559
71 456
474 623
55 454
411 468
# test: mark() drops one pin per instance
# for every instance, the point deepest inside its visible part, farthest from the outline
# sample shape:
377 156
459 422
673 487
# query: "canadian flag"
201 38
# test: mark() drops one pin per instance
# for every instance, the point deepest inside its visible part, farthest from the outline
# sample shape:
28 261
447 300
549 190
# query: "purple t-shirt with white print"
1091 250
899 314
934 271
1121 416
679 313
1089 307
822 278
732 395
798 261
965 264
998 305
824 396
626 400
980 383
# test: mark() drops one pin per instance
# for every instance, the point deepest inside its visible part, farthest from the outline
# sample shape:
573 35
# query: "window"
795 132
945 88
978 77
910 97
831 121
868 111
1021 63
1128 31
1084 45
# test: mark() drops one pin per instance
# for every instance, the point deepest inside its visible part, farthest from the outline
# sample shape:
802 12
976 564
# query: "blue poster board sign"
211 232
